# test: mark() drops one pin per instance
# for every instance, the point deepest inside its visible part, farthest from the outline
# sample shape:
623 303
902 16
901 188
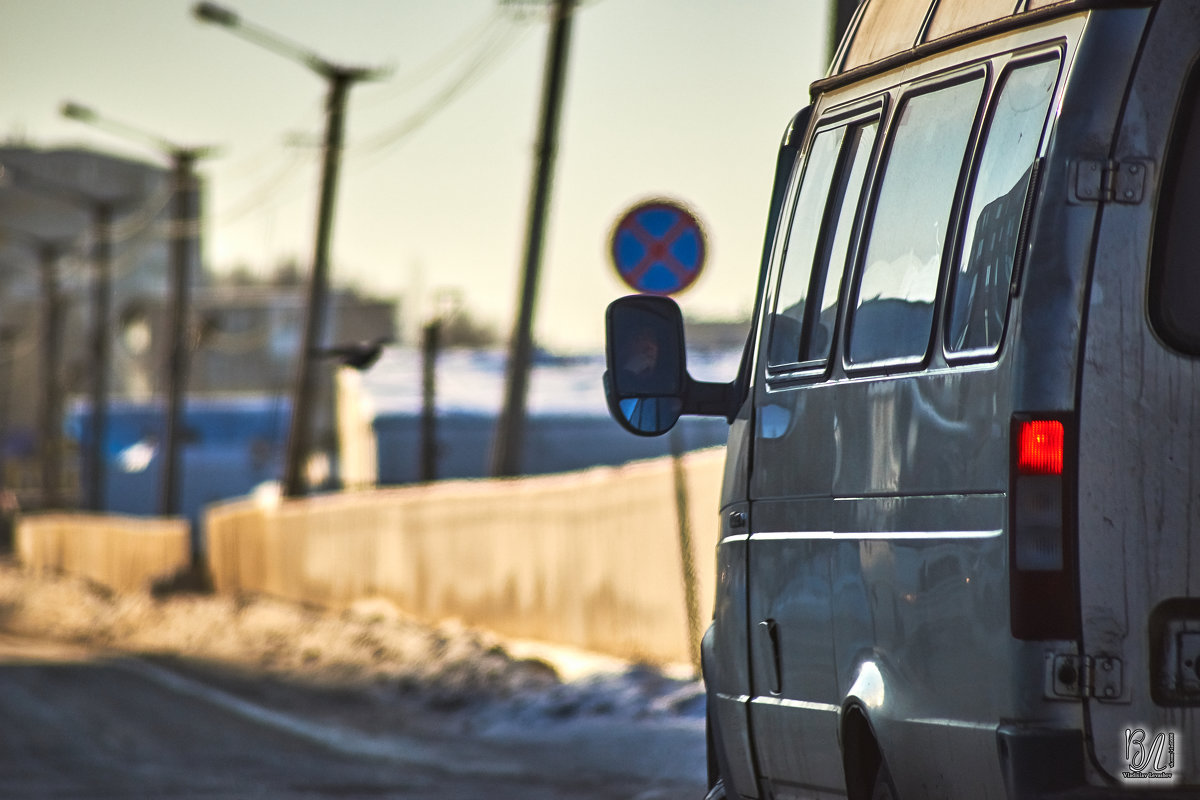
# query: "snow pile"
372 653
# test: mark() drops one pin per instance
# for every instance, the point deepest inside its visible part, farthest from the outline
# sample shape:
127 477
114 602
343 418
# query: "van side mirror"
647 383
646 375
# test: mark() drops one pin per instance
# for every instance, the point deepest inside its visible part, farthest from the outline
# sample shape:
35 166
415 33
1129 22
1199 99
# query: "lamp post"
184 236
101 210
49 252
340 79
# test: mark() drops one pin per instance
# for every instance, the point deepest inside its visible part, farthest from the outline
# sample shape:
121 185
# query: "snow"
472 381
387 673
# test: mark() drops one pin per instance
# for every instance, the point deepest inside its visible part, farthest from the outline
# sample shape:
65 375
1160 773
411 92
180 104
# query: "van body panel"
1139 457
725 650
879 508
879 556
1047 331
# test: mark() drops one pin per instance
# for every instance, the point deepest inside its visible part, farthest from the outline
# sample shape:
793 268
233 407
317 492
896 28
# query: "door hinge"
1076 677
1097 181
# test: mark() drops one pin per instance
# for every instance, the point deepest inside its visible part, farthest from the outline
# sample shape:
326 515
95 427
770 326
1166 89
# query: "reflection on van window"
893 319
981 283
788 320
860 143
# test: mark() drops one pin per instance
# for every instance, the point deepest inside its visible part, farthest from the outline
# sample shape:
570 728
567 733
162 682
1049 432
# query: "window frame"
960 74
883 107
859 114
1004 64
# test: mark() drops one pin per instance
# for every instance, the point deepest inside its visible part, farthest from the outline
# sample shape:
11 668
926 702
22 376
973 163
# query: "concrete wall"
589 559
122 553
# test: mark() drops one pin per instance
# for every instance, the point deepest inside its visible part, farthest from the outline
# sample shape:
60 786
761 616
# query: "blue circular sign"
658 247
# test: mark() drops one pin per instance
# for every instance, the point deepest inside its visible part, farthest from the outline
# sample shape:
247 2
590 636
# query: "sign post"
658 248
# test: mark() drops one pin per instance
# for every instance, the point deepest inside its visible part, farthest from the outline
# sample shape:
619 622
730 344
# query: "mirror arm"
711 399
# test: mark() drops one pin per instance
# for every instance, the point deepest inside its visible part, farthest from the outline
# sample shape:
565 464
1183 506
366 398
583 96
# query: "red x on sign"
658 247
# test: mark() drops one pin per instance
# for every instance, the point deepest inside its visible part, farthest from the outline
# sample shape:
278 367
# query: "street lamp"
49 252
340 79
101 209
184 244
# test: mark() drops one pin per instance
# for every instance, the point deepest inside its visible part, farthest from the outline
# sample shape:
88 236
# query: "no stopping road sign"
658 247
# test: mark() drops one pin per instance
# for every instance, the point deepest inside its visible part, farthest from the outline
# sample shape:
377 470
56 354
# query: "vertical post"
8 338
687 558
183 236
50 413
101 353
429 353
510 428
303 397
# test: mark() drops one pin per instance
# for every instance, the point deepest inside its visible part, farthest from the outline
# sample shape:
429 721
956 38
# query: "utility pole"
340 79
101 210
510 428
184 244
299 440
185 223
50 412
430 344
102 214
50 408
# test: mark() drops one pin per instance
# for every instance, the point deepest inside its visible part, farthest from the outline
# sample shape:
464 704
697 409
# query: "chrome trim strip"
903 535
804 705
984 727
735 698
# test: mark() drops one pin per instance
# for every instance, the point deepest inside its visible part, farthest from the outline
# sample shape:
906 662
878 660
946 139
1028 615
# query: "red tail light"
1041 531
1040 447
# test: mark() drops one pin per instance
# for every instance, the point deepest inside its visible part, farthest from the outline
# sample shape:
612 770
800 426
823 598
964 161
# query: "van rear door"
1139 435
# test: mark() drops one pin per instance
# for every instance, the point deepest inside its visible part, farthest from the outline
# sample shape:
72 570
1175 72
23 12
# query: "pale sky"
685 99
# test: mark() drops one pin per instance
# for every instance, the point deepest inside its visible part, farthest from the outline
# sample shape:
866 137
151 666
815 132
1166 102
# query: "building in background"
243 337
51 202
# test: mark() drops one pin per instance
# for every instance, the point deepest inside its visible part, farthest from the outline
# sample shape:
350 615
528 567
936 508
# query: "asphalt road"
75 723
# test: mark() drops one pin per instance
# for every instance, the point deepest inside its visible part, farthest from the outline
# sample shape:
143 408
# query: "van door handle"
737 519
770 633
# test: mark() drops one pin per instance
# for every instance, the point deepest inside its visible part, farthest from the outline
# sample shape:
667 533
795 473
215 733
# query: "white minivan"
959 546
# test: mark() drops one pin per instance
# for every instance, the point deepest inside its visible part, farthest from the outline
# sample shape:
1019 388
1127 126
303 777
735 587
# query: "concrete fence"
590 559
122 553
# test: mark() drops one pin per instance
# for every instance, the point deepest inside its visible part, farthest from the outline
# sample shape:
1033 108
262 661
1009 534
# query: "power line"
268 193
491 39
494 48
436 63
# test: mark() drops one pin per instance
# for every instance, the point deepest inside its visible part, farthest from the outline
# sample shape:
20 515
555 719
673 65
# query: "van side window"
800 249
815 263
860 141
893 316
1174 291
981 283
